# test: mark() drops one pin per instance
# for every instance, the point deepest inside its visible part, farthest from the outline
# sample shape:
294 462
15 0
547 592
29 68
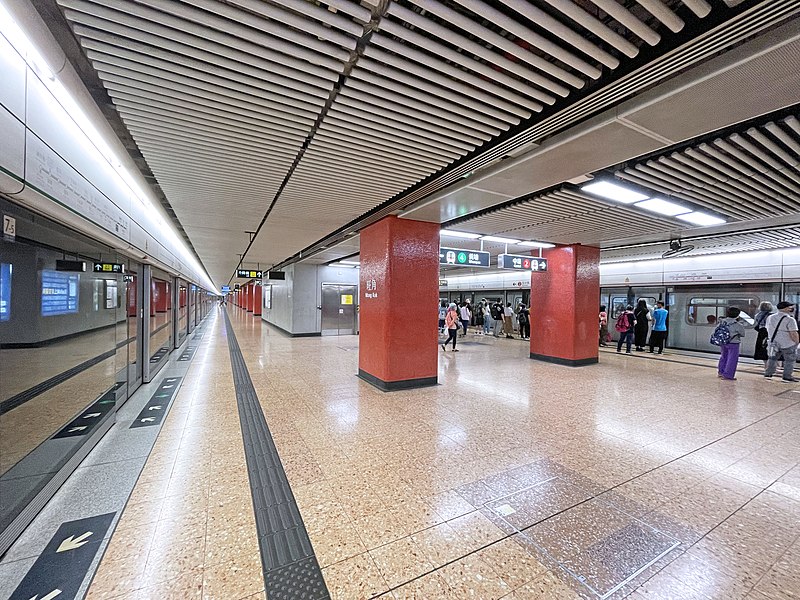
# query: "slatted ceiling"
739 242
222 90
745 176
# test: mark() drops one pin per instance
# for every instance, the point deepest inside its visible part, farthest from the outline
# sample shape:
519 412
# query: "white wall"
295 300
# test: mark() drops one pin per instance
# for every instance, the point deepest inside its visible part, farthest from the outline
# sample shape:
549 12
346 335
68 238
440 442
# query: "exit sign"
521 263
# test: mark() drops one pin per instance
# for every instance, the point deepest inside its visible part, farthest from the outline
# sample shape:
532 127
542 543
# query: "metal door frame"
139 329
339 285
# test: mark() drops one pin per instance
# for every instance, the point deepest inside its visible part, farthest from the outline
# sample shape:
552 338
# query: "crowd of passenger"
776 329
490 318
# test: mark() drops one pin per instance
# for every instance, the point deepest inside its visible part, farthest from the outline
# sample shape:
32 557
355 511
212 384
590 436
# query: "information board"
463 258
226 289
521 263
59 293
109 268
5 291
247 274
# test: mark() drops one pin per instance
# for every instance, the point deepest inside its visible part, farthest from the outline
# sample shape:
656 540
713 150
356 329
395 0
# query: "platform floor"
511 479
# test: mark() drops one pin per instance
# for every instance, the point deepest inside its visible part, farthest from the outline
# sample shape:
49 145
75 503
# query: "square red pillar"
399 280
249 297
257 300
565 307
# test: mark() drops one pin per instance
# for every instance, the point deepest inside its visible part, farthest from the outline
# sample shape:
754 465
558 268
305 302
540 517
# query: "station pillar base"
564 307
399 278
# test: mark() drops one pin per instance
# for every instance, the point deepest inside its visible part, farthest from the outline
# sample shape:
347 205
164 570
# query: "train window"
708 311
618 304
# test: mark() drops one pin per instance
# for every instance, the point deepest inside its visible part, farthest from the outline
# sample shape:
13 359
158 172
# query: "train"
697 290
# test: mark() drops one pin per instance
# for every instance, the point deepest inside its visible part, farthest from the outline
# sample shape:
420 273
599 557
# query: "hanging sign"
521 263
109 268
225 289
247 274
463 258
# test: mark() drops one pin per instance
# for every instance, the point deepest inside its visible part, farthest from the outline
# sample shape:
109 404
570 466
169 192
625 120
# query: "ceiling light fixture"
459 234
663 207
339 265
501 240
701 219
612 191
537 244
354 263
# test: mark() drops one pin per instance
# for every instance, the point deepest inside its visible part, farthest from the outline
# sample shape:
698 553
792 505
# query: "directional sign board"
155 409
463 258
521 263
61 568
226 289
246 273
109 268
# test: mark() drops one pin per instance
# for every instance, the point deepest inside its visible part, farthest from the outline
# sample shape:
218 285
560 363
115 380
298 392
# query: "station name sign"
226 289
463 258
521 263
109 268
247 274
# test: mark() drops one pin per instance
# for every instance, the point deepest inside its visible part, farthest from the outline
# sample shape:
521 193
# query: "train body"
696 290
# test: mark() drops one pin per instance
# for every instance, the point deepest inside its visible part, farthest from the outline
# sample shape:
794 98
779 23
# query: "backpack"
721 335
522 318
623 324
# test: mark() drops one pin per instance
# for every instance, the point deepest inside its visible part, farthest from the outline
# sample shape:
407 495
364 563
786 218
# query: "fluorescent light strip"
459 234
701 219
663 207
501 240
537 244
612 191
354 263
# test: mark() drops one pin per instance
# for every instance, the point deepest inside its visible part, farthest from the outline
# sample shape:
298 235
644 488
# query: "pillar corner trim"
394 386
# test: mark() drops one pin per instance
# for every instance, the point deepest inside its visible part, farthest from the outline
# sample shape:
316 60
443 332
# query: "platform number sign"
521 263
463 258
9 228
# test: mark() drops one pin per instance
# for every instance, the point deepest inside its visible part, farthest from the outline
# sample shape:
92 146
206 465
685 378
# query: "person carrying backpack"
728 336
625 326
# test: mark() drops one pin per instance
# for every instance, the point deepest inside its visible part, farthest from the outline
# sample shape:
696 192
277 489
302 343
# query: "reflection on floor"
512 479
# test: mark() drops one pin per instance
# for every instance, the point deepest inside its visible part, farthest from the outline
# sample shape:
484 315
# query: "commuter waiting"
466 316
625 325
659 333
442 315
497 318
508 321
488 321
782 339
728 336
451 321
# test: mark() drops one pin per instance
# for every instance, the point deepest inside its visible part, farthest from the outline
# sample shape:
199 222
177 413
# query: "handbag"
772 348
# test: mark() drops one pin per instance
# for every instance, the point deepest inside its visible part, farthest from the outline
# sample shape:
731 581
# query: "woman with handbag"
765 309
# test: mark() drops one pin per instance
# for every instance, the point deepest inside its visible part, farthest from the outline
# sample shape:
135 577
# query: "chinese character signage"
109 268
247 274
521 263
463 258
372 289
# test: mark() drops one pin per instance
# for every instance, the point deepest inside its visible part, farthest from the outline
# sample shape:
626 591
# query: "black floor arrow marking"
62 566
155 409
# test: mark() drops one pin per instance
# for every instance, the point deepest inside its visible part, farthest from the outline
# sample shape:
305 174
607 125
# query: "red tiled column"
564 307
162 297
248 297
399 277
257 300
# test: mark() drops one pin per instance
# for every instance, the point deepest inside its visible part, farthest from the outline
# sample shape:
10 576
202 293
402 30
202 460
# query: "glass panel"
59 364
183 310
160 317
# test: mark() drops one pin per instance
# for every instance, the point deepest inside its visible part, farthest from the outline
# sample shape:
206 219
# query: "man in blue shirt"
659 333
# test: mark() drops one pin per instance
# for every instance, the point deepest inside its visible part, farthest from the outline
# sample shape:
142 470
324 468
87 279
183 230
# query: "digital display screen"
59 293
5 291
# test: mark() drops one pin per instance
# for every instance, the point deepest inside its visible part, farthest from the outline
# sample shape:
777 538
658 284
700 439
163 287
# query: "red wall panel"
399 280
257 300
564 306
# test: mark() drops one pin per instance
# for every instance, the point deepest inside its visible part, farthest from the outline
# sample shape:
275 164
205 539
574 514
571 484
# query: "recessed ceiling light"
459 234
354 263
612 191
501 240
343 266
663 207
537 244
702 219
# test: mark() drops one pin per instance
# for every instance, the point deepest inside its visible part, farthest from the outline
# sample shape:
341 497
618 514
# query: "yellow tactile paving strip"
188 530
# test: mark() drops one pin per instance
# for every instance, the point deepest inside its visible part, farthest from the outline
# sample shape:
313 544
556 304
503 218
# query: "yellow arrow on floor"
73 542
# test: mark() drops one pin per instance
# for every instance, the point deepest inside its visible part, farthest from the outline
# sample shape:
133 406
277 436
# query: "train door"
134 313
338 309
615 301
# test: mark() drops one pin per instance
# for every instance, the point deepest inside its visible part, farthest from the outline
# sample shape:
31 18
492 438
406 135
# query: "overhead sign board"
463 258
109 268
521 263
246 273
226 289
236 287
276 275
